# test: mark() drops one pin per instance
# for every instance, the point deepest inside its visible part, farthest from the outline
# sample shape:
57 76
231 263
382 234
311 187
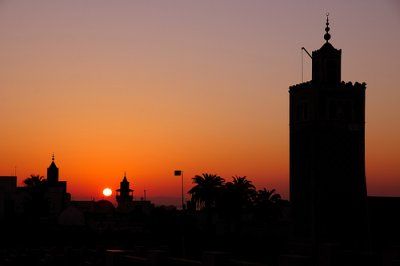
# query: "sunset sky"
148 87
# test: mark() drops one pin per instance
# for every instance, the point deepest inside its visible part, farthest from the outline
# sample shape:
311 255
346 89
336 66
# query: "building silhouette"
124 193
8 185
127 203
327 153
46 199
56 190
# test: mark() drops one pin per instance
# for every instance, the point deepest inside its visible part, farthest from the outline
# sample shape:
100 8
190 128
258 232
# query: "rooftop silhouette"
329 220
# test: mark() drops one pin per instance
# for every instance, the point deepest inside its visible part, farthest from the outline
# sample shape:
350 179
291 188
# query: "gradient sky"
148 87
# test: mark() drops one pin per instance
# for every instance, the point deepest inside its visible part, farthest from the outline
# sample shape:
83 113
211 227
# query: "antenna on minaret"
327 37
302 62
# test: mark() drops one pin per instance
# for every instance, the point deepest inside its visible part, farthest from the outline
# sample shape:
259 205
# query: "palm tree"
268 203
206 190
265 196
238 194
236 199
34 181
244 189
37 203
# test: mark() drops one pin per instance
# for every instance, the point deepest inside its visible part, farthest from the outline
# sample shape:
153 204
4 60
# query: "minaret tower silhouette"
52 173
124 193
327 153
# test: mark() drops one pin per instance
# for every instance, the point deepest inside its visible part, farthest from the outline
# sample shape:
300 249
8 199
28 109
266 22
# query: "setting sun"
107 192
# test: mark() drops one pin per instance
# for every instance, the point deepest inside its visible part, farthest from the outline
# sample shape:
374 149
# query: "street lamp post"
180 173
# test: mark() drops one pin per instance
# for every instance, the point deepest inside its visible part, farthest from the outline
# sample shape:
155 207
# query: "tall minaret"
327 153
52 173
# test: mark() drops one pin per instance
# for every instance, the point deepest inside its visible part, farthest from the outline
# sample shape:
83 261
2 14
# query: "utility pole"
180 173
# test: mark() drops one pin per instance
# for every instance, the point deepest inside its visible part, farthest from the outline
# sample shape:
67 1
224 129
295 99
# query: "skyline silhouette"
148 89
330 218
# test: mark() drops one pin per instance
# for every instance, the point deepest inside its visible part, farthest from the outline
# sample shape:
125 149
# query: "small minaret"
52 173
124 193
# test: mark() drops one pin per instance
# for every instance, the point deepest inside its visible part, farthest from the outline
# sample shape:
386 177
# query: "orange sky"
148 87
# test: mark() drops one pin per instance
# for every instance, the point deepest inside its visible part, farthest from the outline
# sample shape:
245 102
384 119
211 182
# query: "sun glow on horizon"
107 192
148 87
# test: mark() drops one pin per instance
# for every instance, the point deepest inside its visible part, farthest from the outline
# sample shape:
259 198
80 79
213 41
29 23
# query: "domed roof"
103 206
71 216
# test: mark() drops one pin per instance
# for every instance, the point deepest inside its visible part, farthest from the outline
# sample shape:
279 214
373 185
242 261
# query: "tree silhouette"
268 204
242 189
267 197
37 204
34 181
237 195
206 190
235 200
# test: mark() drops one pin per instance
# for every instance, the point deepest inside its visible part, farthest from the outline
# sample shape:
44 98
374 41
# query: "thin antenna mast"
302 62
302 66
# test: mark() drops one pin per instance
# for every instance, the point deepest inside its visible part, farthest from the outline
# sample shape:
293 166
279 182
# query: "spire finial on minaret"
124 179
327 36
52 157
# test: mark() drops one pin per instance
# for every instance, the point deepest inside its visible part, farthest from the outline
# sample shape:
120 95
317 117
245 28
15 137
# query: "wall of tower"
327 165
52 175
